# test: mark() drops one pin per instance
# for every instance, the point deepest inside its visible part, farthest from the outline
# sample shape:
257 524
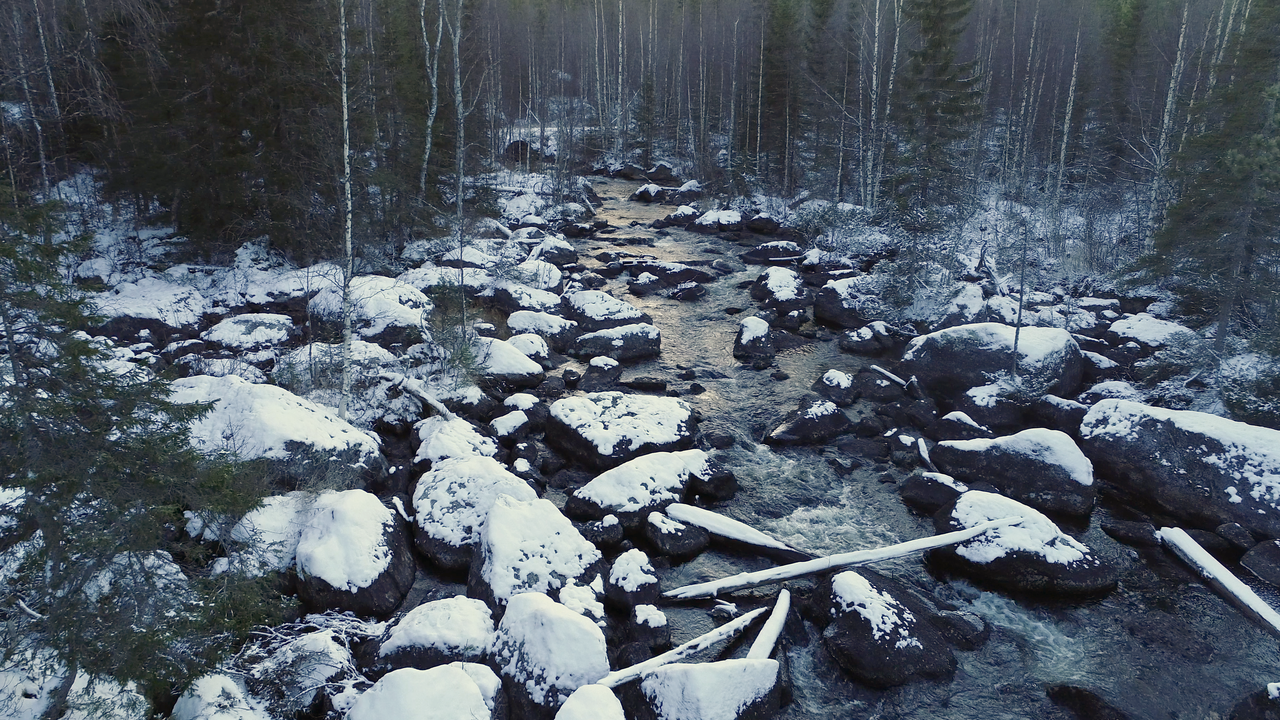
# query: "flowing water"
1162 646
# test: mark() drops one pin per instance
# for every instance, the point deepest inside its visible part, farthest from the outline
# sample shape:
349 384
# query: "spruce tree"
1221 242
96 467
940 99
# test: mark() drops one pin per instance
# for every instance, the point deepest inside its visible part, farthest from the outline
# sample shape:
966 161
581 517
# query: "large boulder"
591 702
1042 468
605 429
151 308
847 303
437 633
452 501
354 555
781 289
384 310
557 331
1032 555
459 691
301 442
499 362
951 362
626 343
529 546
754 342
217 696
597 310
878 634
638 487
440 437
814 422
544 652
737 689
1200 468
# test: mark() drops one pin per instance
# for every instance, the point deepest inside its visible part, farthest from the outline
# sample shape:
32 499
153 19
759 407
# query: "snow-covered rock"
451 502
295 672
837 387
440 437
849 302
815 421
218 697
150 303
354 555
1148 331
458 691
781 289
438 632
950 362
557 331
1042 468
266 538
500 362
718 221
528 546
544 652
674 539
879 634
637 487
875 338
754 342
1030 556
304 442
591 702
251 331
737 689
605 429
385 310
632 580
776 252
595 310
1201 468
555 251
625 343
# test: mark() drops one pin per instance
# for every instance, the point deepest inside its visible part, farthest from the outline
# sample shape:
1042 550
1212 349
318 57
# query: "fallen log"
762 647
713 588
726 527
1185 547
702 642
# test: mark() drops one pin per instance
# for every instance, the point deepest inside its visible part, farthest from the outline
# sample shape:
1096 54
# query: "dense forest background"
1128 126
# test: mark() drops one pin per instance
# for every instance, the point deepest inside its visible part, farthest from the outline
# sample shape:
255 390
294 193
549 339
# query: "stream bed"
1163 645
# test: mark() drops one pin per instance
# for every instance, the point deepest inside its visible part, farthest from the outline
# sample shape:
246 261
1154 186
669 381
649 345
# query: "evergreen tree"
1222 239
96 468
940 99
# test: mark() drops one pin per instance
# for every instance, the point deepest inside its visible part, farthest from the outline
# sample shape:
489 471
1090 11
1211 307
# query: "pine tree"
1221 239
940 99
96 467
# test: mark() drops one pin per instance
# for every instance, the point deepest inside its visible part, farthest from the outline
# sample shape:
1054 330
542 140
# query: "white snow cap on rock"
601 306
1051 446
218 697
344 539
499 357
251 330
708 691
442 438
632 570
260 421
528 321
605 418
591 702
174 304
1035 534
458 626
890 620
645 481
548 648
529 546
752 328
457 691
453 498
784 283
378 302
1149 330
270 533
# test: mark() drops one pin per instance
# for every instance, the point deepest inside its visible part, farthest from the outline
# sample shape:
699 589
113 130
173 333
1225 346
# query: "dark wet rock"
878 633
673 539
875 338
576 230
1060 414
1042 468
602 374
662 173
719 439
1261 705
1263 560
876 387
682 216
872 449
718 485
965 630
762 224
649 627
837 387
778 252
814 422
1235 534
1032 556
951 362
669 273
687 292
645 285
918 414
605 429
1200 468
647 194
605 534
781 289
1215 544
754 343
1084 703
344 522
626 343
1138 533
845 303
929 492
551 389
644 383
1169 632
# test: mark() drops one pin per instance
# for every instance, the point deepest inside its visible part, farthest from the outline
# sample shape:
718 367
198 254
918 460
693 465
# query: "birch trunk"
349 265
433 76
1161 159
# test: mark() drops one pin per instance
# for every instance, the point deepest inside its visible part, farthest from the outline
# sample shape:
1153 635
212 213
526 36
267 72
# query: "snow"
1036 345
271 532
344 539
509 423
457 626
601 307
526 297
649 188
584 600
606 419
30 677
442 438
708 691
527 321
530 345
591 702
890 620
452 500
261 421
1148 330
603 362
720 217
1250 454
378 303
304 664
632 570
785 284
1034 534
752 328
218 697
250 331
646 481
499 357
663 523
645 330
960 417
429 277
946 480
1273 690
1050 446
150 298
1209 567
651 616
835 378
548 648
446 692
725 527
1113 390
967 303
528 546
520 401
821 408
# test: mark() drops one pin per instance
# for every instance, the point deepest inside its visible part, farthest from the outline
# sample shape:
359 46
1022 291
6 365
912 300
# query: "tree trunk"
349 264
433 76
1161 160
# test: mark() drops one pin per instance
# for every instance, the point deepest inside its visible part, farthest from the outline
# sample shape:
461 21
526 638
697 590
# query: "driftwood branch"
702 642
762 648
